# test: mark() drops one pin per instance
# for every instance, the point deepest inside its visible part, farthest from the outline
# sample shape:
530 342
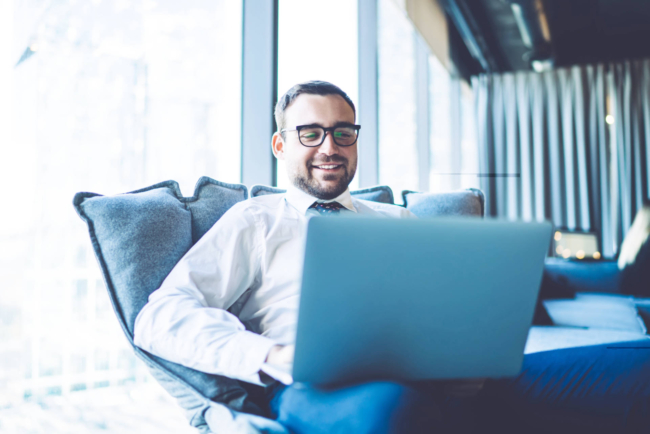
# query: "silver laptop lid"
417 299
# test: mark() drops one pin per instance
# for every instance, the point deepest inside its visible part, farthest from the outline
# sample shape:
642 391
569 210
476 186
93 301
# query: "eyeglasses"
314 135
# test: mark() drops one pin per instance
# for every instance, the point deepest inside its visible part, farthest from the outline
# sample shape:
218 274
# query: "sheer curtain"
569 145
629 85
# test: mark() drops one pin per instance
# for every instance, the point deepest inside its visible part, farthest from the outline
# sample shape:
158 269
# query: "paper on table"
602 311
555 338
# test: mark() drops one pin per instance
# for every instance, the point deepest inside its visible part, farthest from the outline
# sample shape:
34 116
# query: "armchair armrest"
562 278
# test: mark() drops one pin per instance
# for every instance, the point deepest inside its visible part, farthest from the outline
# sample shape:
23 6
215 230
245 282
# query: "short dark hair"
314 87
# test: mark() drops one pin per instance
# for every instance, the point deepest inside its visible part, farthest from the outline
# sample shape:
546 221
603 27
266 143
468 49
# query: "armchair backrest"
379 193
469 202
138 237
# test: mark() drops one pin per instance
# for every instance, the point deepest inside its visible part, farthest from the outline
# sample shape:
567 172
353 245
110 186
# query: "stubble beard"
310 185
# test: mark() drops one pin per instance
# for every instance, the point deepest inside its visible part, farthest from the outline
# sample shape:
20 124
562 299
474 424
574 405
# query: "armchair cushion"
263 190
564 278
470 202
379 193
127 231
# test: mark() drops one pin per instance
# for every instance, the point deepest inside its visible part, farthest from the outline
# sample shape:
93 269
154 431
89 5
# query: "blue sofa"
599 382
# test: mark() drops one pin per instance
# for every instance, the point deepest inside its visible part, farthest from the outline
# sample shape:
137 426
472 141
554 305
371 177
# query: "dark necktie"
329 208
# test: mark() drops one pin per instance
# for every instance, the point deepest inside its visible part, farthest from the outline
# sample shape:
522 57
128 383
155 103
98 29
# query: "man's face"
323 171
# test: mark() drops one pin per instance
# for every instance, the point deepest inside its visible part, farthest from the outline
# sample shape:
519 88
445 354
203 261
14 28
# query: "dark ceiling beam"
532 22
586 31
476 34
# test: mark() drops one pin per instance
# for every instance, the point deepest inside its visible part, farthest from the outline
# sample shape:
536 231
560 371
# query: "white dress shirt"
235 294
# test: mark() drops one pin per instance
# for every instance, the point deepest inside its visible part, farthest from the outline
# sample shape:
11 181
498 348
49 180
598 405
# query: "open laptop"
410 299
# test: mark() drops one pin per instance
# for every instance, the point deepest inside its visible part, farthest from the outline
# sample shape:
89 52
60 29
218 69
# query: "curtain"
568 145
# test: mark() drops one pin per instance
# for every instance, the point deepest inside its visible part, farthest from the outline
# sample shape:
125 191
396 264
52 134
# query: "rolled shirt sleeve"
186 320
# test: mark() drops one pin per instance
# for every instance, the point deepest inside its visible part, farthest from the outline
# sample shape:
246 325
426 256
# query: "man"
230 305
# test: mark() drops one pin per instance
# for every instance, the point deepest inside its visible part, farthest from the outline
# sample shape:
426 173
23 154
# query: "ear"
277 144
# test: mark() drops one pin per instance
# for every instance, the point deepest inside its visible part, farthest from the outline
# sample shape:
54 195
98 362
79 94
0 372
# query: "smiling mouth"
328 167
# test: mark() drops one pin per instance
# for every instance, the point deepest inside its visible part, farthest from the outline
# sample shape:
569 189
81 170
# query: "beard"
310 185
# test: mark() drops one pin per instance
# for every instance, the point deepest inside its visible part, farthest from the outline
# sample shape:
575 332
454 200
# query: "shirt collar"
302 201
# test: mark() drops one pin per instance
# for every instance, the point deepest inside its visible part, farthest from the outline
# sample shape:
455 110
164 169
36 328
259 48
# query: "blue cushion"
210 201
262 190
564 278
127 231
379 193
138 237
470 202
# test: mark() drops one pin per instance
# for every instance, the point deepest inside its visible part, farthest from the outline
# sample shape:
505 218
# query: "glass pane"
469 164
108 96
398 158
442 164
317 41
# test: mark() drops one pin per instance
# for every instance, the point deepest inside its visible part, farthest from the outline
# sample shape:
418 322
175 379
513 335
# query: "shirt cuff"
249 356
282 373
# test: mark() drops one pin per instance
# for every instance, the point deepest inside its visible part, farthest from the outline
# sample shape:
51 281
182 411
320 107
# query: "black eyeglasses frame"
325 131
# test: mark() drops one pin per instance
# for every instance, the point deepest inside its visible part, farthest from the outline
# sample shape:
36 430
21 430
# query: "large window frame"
259 90
259 94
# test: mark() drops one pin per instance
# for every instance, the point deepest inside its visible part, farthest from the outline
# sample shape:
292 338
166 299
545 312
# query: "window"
109 97
398 157
453 145
441 176
317 41
469 163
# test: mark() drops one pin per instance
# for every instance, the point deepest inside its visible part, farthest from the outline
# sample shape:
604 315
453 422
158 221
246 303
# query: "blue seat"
468 202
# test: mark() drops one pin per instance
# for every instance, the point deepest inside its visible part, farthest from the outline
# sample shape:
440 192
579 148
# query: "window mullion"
368 90
259 90
423 113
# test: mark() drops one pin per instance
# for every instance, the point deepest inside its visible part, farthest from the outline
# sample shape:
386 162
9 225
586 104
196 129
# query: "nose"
328 147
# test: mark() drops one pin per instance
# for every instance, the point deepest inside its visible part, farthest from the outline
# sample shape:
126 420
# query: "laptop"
416 299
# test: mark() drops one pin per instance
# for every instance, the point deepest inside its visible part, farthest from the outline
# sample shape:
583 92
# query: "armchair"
139 236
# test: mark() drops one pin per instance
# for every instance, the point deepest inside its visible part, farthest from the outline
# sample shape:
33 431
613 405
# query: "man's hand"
281 355
464 388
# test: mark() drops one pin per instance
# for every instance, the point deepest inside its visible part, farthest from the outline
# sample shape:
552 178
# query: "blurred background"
536 102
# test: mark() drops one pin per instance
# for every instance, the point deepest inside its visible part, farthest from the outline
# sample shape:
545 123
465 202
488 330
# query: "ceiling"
487 34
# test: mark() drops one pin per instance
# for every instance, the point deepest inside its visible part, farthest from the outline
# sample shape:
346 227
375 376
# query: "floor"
141 409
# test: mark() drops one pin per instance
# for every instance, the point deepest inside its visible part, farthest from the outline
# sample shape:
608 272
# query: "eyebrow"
338 124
